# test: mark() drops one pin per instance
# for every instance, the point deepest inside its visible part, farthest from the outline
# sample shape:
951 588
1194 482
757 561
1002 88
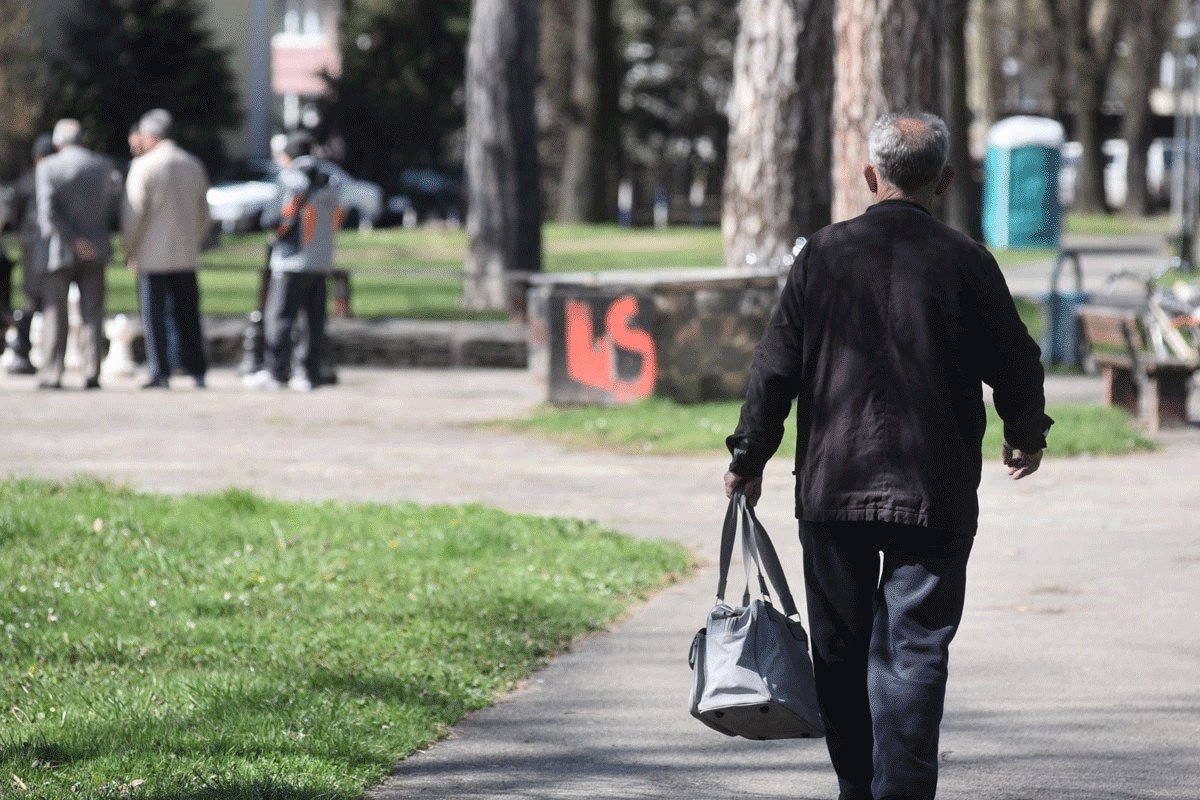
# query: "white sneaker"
299 383
262 380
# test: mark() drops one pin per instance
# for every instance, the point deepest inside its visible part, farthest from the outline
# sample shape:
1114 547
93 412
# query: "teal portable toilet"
1020 183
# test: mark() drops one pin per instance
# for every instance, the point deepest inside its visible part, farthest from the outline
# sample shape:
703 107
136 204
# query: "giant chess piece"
119 362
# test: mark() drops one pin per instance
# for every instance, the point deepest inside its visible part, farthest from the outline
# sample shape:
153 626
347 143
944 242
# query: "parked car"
1159 160
250 200
429 192
1160 164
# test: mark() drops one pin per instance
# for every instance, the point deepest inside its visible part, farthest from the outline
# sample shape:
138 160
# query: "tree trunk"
504 233
778 171
962 201
888 59
1148 36
1089 90
583 192
1092 33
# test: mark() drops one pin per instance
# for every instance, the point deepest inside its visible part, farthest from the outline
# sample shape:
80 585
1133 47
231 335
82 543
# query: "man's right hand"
1019 462
84 250
750 487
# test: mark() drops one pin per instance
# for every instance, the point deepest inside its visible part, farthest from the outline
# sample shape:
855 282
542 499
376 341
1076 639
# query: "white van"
1116 158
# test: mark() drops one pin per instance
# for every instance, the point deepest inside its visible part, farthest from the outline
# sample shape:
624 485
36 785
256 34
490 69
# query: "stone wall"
703 324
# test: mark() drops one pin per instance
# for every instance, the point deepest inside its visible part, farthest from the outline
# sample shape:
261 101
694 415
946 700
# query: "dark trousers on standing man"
56 286
290 293
880 637
184 292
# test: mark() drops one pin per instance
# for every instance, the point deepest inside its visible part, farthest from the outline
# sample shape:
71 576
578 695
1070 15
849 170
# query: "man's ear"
944 182
872 178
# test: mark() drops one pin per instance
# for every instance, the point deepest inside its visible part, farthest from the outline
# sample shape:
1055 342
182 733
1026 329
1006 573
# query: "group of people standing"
66 208
66 220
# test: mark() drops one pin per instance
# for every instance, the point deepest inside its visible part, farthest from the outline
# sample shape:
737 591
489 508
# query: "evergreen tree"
124 57
399 98
21 87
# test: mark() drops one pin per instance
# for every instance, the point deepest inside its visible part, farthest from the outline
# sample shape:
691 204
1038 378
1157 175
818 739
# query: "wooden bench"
1150 388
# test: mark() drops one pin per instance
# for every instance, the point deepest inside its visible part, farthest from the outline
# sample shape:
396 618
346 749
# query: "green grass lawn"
662 426
417 273
227 646
1117 225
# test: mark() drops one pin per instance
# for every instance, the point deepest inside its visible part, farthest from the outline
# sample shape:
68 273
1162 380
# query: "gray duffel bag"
751 673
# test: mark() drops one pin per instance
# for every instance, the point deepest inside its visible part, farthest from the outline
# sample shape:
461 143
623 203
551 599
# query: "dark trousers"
880 637
182 292
290 293
33 271
89 277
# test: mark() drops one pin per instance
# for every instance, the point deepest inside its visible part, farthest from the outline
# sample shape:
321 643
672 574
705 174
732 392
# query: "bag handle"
767 556
757 547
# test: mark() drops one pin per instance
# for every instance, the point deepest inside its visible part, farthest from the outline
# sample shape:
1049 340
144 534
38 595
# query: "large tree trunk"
889 59
1092 32
963 200
590 112
1149 30
777 182
504 233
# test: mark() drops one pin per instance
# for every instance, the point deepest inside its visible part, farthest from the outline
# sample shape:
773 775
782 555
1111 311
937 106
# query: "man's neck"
892 193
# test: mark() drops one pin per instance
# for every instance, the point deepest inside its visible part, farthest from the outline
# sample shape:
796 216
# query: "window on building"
301 17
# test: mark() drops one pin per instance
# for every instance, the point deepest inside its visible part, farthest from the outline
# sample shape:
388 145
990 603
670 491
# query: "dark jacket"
884 331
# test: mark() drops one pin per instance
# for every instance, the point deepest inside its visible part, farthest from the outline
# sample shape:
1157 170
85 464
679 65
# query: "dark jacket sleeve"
1011 361
774 380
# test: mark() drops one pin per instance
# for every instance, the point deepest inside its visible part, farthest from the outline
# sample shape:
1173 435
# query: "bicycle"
1170 317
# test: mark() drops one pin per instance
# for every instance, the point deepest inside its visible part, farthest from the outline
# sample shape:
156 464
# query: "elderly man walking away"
74 187
164 222
886 328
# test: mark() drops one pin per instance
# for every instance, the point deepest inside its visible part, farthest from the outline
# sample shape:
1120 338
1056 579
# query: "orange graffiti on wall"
592 359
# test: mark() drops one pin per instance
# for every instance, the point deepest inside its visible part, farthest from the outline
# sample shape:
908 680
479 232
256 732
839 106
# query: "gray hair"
67 131
909 150
157 124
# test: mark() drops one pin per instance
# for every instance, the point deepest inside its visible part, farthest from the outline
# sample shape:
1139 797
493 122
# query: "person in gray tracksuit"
301 261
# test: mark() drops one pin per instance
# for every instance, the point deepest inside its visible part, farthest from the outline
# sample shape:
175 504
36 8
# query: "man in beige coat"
164 222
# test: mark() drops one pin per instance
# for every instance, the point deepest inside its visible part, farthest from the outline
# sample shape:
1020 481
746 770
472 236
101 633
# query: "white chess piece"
121 333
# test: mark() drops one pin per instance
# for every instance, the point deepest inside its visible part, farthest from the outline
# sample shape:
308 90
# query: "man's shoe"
50 385
92 383
21 366
263 381
200 382
299 383
156 383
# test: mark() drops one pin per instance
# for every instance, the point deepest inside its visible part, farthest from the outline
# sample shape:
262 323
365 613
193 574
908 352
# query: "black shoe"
50 385
92 383
157 383
21 366
200 382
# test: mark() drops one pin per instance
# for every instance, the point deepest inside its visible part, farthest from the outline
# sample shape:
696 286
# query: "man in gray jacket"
74 187
164 222
301 261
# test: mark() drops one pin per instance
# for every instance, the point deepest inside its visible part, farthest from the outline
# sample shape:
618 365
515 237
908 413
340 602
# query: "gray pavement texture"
1076 674
1099 257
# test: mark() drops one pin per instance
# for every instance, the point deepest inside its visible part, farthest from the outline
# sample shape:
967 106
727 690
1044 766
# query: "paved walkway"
1099 257
1075 675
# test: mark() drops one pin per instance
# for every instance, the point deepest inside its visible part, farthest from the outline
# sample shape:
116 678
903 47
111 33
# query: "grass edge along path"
660 426
229 646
